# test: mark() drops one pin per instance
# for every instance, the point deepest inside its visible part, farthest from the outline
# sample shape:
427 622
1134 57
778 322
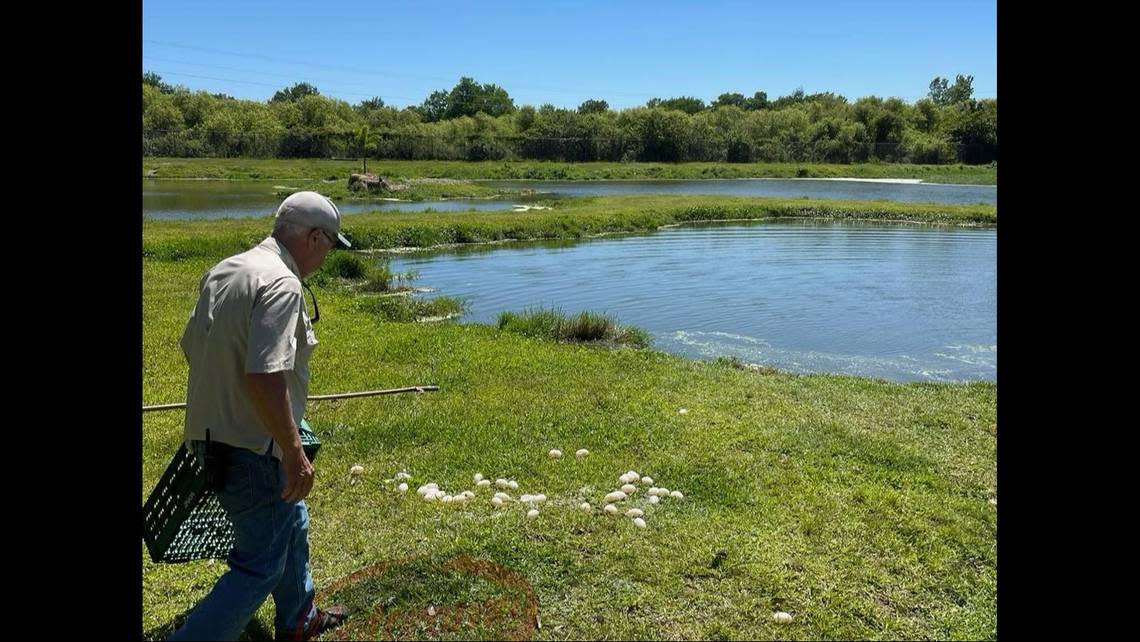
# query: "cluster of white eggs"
431 492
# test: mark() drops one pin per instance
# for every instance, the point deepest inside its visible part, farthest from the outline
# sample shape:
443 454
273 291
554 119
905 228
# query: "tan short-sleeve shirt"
250 318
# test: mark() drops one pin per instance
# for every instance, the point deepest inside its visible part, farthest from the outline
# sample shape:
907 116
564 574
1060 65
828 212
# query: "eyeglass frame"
327 236
316 311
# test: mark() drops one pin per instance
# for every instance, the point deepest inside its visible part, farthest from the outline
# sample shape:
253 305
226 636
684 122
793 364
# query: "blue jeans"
270 554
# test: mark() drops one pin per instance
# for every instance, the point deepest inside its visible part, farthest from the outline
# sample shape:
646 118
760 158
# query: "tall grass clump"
585 327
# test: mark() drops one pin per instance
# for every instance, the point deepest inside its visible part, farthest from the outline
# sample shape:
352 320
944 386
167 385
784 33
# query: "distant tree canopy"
372 104
295 93
962 91
687 104
154 80
593 107
466 98
477 121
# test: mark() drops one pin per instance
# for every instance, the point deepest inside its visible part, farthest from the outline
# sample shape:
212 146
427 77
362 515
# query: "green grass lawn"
315 168
861 507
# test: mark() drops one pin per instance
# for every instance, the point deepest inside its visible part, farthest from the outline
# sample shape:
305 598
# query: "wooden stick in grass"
340 395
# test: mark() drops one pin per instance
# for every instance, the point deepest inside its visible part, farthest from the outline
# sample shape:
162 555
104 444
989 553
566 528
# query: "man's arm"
271 351
271 398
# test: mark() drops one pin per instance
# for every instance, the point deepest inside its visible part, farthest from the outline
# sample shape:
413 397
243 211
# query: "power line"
292 77
237 69
358 70
389 74
265 84
244 82
370 72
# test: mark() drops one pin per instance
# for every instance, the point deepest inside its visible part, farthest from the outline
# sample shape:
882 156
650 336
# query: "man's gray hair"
287 229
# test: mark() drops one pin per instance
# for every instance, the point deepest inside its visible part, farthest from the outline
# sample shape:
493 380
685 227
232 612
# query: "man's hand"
298 475
271 397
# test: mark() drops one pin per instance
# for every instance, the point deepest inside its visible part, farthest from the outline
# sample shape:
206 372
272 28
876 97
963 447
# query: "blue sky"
566 52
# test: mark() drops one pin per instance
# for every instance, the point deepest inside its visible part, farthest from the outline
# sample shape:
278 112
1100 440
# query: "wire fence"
324 144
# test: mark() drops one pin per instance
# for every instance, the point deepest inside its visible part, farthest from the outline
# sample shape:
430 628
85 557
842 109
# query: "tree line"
476 121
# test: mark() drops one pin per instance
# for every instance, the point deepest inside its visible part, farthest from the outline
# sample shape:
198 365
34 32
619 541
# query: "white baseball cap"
311 209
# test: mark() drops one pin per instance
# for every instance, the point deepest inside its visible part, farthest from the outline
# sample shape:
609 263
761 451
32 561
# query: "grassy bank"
413 189
584 327
571 219
248 168
863 508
